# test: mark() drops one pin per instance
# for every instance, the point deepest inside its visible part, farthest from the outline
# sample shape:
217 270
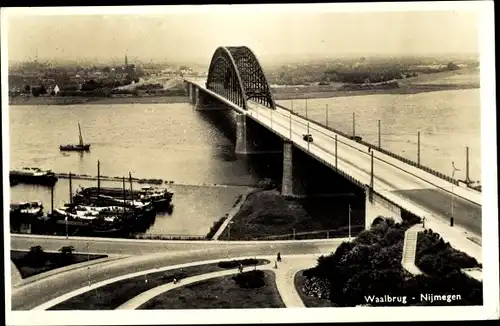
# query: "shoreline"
287 93
406 89
96 100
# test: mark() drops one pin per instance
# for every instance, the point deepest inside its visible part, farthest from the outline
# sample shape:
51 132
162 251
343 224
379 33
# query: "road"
416 190
144 255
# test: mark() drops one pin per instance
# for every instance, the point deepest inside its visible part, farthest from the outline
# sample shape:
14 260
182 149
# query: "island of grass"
252 289
267 215
36 261
368 271
111 296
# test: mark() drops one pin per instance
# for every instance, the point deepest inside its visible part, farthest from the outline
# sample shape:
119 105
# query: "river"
448 122
176 143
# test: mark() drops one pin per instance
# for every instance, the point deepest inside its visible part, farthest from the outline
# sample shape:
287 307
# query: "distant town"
43 79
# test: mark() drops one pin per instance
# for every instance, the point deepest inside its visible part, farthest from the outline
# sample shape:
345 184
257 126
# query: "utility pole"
418 149
293 234
290 126
379 137
292 104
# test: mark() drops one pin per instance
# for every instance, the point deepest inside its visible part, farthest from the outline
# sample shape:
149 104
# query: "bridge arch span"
236 74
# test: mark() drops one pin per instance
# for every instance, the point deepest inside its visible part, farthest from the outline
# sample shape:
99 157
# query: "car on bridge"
308 138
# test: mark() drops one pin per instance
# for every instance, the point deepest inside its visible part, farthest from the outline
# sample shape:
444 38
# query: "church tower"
126 61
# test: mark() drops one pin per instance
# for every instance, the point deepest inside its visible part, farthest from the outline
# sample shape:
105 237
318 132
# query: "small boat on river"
80 147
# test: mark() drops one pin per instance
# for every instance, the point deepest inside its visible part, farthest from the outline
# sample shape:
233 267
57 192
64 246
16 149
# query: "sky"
195 36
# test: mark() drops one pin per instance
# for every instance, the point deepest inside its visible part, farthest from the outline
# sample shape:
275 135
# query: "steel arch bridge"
236 74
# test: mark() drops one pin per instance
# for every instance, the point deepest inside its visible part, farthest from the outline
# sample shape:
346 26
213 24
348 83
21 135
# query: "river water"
448 122
174 142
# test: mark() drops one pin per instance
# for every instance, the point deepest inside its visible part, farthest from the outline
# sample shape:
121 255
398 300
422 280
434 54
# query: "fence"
389 153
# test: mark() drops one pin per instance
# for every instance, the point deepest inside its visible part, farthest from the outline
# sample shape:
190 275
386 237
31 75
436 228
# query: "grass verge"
267 215
220 293
111 296
47 262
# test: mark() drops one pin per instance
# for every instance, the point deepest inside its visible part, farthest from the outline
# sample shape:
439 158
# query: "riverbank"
404 89
280 93
57 100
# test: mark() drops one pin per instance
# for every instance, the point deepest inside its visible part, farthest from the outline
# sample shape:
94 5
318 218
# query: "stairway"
410 250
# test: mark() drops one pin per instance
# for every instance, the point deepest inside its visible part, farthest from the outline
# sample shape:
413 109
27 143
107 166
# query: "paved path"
285 277
16 277
232 213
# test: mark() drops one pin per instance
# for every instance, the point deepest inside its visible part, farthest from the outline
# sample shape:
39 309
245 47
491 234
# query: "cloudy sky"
195 35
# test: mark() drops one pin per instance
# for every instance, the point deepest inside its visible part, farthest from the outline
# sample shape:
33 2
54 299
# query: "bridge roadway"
141 255
409 187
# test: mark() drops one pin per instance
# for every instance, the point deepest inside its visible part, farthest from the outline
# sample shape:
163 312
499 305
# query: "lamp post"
452 192
379 138
349 222
290 116
293 233
229 230
306 109
88 260
353 125
418 148
326 113
308 142
335 151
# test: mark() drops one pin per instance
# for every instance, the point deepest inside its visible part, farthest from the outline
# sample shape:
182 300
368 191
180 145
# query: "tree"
36 256
452 66
27 88
67 250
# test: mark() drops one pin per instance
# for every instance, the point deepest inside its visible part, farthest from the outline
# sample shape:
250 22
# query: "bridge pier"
290 185
376 205
241 135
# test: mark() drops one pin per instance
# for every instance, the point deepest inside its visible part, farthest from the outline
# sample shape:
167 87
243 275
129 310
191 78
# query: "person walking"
423 222
275 264
279 257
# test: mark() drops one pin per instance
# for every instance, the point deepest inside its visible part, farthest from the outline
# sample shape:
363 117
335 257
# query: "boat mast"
70 190
131 191
124 196
98 178
80 133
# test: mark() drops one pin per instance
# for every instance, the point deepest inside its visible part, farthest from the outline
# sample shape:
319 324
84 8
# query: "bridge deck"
407 186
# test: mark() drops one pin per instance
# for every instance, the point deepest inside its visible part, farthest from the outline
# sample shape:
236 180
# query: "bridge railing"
382 150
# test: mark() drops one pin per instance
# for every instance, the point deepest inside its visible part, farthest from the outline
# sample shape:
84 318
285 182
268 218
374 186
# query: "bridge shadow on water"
327 195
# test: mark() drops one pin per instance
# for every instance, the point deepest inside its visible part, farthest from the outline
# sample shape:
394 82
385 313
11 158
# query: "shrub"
250 280
371 265
236 263
35 257
215 227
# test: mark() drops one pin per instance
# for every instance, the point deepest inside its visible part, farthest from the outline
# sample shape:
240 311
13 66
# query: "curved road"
144 255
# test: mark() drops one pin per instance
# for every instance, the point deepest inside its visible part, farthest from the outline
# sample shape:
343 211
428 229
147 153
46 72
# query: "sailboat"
79 147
